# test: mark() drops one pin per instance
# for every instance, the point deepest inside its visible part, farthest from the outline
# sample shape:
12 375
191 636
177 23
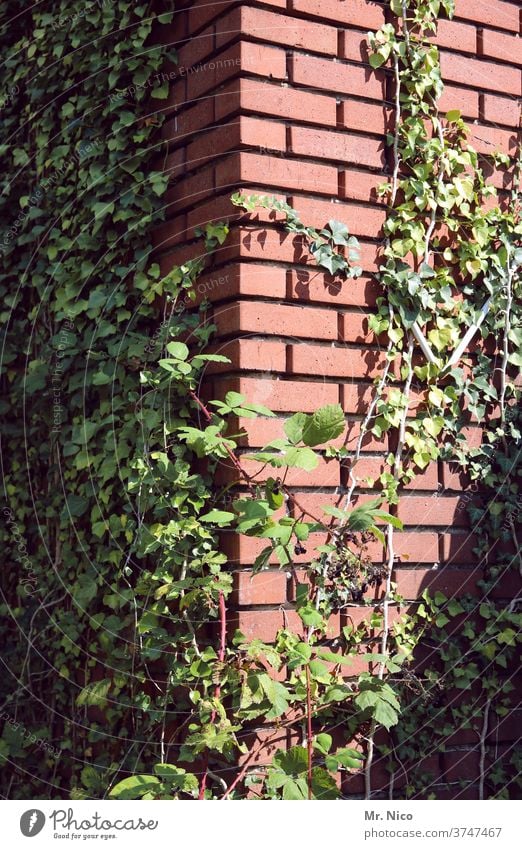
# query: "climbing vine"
112 512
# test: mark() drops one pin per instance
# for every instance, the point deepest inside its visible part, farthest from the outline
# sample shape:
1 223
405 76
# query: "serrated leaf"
325 424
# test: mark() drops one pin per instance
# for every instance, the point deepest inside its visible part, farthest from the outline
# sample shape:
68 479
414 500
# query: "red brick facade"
277 97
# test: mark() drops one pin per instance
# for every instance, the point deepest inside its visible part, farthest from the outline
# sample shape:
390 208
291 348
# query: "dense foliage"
121 676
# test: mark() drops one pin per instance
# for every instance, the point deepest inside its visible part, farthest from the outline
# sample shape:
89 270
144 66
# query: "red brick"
279 320
361 185
202 11
343 147
451 582
282 395
262 170
480 74
355 615
488 140
363 13
325 474
496 13
243 57
177 96
461 765
506 728
427 479
243 279
195 50
454 478
507 585
220 208
176 163
355 398
257 624
242 131
413 548
458 547
353 46
189 191
360 220
261 588
314 287
336 76
496 45
272 740
261 431
264 624
365 117
354 328
460 98
431 510
334 362
189 120
275 101
170 233
242 549
313 502
456 36
274 246
250 355
277 28
500 110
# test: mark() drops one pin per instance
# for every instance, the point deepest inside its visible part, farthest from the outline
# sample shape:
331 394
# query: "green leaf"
376 60
323 743
453 115
134 787
293 427
310 616
161 92
178 350
325 424
349 758
319 671
94 693
219 517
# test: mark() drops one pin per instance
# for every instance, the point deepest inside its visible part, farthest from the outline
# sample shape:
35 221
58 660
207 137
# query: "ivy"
111 480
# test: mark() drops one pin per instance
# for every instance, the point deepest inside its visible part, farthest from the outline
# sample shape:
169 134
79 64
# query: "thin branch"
483 736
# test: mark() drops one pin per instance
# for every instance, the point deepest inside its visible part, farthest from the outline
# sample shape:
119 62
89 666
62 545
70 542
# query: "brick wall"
278 97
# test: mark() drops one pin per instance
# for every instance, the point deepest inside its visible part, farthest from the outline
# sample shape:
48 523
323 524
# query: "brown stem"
217 690
309 735
237 465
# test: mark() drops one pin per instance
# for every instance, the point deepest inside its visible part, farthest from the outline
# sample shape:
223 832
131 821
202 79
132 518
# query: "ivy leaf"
161 92
94 693
339 231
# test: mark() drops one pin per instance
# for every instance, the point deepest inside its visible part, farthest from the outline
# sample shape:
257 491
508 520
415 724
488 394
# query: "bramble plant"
126 558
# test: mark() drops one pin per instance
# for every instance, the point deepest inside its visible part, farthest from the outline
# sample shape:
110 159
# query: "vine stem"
222 606
309 733
237 465
393 197
483 736
217 689
397 467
